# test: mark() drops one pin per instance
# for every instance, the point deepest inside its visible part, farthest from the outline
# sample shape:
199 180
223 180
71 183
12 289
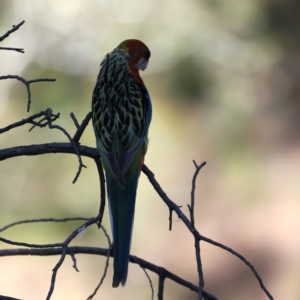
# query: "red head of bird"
136 53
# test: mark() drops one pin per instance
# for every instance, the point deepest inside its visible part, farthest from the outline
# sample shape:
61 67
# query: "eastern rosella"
122 114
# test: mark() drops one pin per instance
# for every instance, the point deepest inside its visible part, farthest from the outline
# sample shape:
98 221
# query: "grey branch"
106 264
82 127
15 28
31 120
196 241
64 251
197 236
27 84
48 119
20 50
7 298
104 252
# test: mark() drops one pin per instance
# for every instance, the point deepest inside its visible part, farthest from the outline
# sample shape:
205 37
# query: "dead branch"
27 84
15 28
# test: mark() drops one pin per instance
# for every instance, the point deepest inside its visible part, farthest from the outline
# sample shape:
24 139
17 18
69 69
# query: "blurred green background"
224 81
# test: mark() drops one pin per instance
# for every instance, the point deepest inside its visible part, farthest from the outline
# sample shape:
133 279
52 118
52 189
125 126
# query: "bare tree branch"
7 298
242 258
51 126
29 245
50 117
74 261
74 120
82 127
64 246
43 220
20 50
15 28
197 241
150 282
39 251
161 284
148 277
103 252
30 120
196 234
109 252
47 148
192 206
27 84
92 153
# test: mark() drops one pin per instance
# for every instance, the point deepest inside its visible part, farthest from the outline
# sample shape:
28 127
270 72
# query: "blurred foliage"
282 25
189 80
282 22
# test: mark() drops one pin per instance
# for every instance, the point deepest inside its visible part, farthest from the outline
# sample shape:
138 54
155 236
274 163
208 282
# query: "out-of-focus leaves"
189 80
283 22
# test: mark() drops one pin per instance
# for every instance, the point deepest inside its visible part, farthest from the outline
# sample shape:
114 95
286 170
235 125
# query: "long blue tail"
121 206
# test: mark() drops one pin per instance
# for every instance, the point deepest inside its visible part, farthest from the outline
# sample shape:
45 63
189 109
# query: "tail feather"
121 206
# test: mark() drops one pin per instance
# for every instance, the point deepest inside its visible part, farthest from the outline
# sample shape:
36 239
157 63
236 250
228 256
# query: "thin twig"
15 28
199 268
164 196
74 261
150 282
170 218
51 126
166 274
106 264
196 234
47 148
30 120
242 258
29 245
50 117
27 84
64 252
192 207
41 122
196 240
82 127
149 279
42 220
20 50
74 120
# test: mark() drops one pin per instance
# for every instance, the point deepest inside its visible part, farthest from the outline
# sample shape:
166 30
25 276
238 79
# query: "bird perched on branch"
122 113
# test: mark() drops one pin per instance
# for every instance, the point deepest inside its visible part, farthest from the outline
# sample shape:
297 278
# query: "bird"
121 116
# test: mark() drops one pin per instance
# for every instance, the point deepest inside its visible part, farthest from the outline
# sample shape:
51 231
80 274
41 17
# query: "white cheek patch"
142 64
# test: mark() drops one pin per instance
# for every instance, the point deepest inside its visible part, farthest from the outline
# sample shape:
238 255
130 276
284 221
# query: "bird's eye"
147 54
